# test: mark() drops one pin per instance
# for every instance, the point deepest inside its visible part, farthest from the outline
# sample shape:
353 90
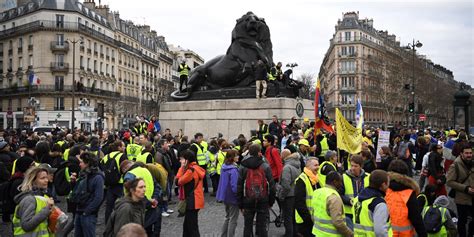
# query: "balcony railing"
60 46
59 67
67 89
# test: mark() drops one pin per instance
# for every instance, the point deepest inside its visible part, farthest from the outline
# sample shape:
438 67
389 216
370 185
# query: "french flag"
33 79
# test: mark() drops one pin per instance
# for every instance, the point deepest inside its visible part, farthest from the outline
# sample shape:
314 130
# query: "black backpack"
4 196
111 170
61 184
432 219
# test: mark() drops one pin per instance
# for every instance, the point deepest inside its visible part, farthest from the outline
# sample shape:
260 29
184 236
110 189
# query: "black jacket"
253 163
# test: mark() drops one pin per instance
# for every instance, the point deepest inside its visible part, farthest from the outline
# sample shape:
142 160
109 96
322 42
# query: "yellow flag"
349 138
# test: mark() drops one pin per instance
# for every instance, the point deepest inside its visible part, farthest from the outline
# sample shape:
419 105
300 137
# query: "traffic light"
411 107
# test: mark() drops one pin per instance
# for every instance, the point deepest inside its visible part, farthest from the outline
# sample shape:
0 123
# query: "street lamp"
73 42
413 46
292 65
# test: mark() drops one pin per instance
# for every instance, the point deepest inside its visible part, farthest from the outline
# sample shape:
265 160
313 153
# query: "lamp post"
292 65
73 42
413 47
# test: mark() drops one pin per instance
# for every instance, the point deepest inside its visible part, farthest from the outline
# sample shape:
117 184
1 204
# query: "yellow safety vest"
200 156
324 146
442 232
309 196
66 154
322 178
323 226
363 223
421 195
143 157
41 230
184 70
143 173
133 150
220 161
349 190
117 155
211 167
263 129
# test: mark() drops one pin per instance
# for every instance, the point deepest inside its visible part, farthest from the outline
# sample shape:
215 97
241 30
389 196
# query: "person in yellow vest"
305 185
448 227
220 158
34 206
199 147
370 212
134 149
262 130
114 191
153 192
327 166
212 153
328 215
147 155
183 70
322 146
354 180
368 138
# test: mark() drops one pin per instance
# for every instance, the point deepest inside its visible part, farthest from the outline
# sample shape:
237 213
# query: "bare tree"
307 92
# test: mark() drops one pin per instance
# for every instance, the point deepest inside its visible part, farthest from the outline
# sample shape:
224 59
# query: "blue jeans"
84 226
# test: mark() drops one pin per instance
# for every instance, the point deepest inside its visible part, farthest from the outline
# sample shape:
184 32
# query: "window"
351 50
20 63
107 51
59 83
79 20
30 40
347 99
95 47
347 36
101 67
89 45
20 43
101 49
344 50
60 39
81 61
95 65
19 105
60 59
348 66
113 53
347 82
59 103
60 21
88 63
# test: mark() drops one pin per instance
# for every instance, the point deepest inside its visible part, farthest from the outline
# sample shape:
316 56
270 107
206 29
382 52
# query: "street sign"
299 109
422 117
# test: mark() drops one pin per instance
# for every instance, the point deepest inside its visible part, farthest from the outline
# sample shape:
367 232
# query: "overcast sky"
301 29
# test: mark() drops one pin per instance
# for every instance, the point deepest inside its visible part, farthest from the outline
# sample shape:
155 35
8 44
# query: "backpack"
256 185
403 152
432 219
80 193
111 171
61 182
4 196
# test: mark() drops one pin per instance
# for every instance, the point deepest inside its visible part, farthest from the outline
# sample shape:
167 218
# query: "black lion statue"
250 42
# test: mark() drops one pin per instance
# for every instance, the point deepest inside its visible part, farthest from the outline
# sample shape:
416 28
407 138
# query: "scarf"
312 177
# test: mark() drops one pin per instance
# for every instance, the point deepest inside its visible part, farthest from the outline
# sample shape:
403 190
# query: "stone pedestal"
230 117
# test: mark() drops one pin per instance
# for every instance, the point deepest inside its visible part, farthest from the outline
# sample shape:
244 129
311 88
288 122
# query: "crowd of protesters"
320 190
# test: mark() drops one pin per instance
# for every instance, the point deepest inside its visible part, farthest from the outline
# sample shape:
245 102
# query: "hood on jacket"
226 167
442 201
399 182
252 162
293 160
200 171
17 199
362 173
125 201
368 193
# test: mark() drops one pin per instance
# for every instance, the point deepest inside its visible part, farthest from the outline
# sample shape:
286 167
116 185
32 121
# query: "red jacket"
274 160
191 180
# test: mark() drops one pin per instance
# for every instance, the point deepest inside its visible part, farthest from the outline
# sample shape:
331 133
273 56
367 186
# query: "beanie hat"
23 163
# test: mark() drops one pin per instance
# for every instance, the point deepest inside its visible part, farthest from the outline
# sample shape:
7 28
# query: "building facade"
371 65
56 55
